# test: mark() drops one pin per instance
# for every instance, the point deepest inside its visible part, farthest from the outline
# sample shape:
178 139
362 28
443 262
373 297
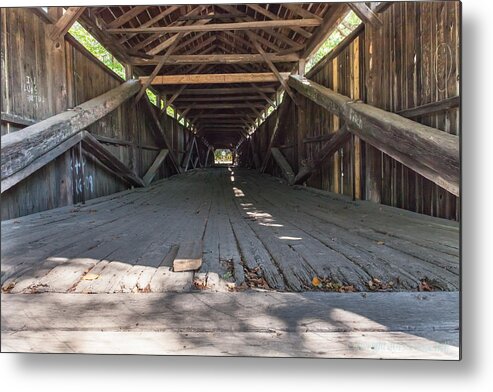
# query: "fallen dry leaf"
424 286
90 276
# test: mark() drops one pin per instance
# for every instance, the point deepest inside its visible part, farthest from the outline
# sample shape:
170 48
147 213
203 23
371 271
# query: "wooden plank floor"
314 324
98 279
258 233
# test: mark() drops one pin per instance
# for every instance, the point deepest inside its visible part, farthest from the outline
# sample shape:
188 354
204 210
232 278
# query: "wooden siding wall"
39 79
418 64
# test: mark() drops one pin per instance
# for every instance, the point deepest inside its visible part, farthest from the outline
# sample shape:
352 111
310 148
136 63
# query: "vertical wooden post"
73 160
82 174
129 70
301 67
374 86
356 140
336 173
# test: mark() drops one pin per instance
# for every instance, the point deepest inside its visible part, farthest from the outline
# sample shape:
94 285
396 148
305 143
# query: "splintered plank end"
189 256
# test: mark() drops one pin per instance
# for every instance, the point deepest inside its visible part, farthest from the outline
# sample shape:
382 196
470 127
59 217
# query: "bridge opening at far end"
223 156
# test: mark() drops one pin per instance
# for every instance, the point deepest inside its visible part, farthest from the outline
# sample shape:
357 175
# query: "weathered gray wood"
281 117
430 108
370 345
41 161
120 142
151 172
219 27
161 135
428 151
109 160
164 279
20 148
247 221
189 256
287 172
335 142
17 120
373 325
240 58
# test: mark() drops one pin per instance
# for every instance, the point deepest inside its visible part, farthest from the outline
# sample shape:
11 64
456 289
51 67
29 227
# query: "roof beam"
241 105
63 25
300 11
273 68
258 77
149 80
152 21
261 24
168 103
228 90
261 10
168 42
240 58
279 36
219 98
127 16
222 115
366 14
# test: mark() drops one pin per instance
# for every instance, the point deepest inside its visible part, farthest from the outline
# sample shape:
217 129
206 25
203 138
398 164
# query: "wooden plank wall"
419 64
39 79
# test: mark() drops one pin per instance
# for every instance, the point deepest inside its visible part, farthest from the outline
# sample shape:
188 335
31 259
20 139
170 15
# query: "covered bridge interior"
344 188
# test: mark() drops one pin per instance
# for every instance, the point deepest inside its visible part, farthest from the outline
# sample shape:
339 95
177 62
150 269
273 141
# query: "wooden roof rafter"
244 49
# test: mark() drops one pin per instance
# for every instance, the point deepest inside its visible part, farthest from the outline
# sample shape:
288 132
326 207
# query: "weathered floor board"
336 325
111 260
257 233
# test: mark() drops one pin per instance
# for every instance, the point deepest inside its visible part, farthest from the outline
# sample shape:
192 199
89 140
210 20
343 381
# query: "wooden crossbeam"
219 27
271 31
66 21
95 148
283 164
158 67
240 58
21 148
272 67
219 98
428 151
430 108
335 142
41 161
366 14
300 11
151 172
215 78
226 105
228 90
169 102
221 115
261 10
127 16
150 22
170 41
91 144
270 101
